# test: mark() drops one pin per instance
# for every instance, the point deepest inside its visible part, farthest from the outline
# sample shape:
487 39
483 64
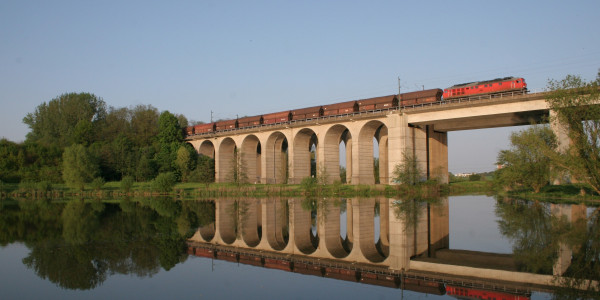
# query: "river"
158 248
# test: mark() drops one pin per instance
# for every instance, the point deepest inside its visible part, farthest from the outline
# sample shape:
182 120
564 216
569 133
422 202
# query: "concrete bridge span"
283 152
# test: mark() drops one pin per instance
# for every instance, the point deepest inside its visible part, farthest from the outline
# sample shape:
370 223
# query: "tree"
170 138
205 170
79 166
65 119
526 163
408 173
186 161
576 106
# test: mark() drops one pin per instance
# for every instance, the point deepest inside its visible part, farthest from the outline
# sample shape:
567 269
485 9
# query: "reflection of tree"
585 266
534 231
411 210
79 244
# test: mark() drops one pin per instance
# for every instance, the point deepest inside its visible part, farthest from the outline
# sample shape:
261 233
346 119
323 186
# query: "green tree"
170 137
409 172
186 161
526 163
164 182
79 166
204 171
66 119
144 125
575 103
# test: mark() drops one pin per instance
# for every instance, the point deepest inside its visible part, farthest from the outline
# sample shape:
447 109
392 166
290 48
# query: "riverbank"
200 190
555 194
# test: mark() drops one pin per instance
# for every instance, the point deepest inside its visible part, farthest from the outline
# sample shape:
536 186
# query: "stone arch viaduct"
281 152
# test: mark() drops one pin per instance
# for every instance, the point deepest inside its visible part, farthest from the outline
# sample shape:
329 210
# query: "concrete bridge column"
437 146
561 131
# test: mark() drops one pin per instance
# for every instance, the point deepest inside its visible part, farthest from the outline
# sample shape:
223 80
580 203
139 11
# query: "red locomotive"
499 85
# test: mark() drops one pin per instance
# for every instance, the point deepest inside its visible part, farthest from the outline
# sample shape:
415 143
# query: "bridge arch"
337 136
276 158
372 131
226 160
304 165
251 152
207 148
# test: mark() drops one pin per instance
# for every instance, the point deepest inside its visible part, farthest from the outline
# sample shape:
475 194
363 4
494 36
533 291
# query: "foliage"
67 246
526 163
127 183
98 183
79 166
164 182
575 103
343 174
308 184
474 177
204 171
529 225
65 120
186 161
376 169
409 172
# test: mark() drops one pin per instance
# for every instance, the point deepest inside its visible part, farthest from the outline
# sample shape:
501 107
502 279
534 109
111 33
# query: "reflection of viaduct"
270 153
380 235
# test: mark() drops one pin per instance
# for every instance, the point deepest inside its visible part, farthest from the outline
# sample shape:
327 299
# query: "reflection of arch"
302 161
333 137
302 229
277 227
227 222
365 151
226 159
366 235
330 217
207 148
207 232
248 214
276 167
250 158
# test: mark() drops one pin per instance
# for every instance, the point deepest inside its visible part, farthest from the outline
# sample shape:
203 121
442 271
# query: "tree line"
75 138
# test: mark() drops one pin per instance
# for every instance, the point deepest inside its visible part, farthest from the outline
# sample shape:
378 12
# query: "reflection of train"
471 293
336 272
491 87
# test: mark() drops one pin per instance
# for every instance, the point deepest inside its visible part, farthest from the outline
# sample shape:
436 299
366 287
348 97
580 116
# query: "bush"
98 183
44 186
127 183
164 182
308 184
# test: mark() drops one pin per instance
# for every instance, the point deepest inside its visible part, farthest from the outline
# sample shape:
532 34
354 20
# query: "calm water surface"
138 249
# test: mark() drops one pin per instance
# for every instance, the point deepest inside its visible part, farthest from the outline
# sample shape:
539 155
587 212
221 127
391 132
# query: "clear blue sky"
254 57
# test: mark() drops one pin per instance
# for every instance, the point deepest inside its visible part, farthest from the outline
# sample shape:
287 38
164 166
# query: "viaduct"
281 152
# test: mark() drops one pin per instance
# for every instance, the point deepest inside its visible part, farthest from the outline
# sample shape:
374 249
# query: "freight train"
492 88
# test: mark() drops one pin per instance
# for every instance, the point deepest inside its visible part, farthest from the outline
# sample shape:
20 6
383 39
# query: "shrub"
127 183
44 186
97 183
164 182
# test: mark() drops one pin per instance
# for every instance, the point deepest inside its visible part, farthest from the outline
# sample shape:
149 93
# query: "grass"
566 193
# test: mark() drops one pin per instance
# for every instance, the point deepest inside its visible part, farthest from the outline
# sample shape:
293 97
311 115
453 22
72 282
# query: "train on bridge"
492 88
